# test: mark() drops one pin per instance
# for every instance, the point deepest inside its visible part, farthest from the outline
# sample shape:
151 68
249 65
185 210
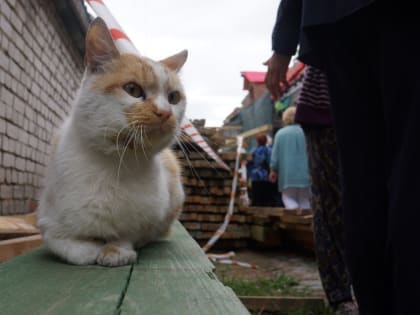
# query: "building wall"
40 70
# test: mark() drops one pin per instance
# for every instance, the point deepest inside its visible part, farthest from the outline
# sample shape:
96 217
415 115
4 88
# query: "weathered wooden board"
37 283
280 303
16 246
184 284
18 225
172 276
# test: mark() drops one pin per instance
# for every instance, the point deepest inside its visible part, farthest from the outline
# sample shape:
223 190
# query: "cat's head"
126 101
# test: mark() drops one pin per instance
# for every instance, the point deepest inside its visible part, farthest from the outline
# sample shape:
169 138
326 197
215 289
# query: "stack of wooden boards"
18 234
275 226
208 190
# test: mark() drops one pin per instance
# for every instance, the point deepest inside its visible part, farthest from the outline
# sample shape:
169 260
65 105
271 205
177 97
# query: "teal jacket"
289 158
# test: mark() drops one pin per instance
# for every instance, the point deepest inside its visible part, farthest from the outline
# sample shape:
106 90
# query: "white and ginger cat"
112 184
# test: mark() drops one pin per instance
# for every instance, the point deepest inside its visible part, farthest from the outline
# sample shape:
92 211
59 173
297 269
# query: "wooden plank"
295 227
18 225
185 284
38 283
281 303
17 246
172 276
251 133
271 236
265 211
304 219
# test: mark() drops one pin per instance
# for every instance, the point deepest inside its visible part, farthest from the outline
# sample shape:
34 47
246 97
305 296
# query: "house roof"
259 76
254 76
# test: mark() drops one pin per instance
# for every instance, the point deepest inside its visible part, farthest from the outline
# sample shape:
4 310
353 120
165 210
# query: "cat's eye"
174 97
134 90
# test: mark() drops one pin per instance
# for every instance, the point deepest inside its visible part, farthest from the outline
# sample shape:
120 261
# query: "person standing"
314 115
261 190
361 45
289 163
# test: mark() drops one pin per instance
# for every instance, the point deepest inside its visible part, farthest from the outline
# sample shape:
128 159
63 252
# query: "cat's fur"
112 184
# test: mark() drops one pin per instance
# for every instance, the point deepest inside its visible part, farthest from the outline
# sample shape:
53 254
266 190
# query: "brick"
8 160
30 166
4 60
20 163
6 96
29 191
7 144
14 69
2 174
18 191
19 207
6 191
12 3
5 9
5 25
22 177
12 131
14 175
16 22
2 125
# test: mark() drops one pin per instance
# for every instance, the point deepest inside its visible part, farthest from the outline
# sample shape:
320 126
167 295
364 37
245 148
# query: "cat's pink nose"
163 114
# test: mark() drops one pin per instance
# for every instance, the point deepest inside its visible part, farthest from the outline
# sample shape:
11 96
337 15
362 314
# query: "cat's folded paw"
112 256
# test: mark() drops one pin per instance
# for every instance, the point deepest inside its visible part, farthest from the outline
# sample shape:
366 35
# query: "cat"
113 184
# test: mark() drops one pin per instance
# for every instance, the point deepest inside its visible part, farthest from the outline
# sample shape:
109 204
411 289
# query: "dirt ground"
300 266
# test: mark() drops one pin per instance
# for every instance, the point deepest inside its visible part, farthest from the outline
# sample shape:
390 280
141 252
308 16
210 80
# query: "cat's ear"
100 47
176 62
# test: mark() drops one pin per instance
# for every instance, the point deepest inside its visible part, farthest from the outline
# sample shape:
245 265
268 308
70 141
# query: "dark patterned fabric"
327 208
313 104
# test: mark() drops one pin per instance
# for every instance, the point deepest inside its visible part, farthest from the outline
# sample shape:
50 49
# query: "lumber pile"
274 226
208 188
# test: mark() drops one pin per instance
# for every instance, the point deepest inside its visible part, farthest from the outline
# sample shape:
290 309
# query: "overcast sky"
223 38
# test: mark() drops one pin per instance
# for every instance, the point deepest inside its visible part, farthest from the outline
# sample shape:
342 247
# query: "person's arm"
285 39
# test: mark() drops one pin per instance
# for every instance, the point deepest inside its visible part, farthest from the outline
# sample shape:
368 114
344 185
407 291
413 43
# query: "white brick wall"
40 70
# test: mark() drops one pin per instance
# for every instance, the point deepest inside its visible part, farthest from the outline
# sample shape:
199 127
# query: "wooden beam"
19 224
281 303
250 133
171 276
256 131
16 246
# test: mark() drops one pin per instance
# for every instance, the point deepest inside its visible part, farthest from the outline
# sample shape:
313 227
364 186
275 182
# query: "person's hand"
272 177
276 74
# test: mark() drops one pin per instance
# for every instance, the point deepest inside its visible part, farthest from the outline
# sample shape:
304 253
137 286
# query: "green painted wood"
172 276
37 283
184 284
179 292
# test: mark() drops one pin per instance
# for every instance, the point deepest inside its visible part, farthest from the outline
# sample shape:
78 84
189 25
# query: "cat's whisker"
142 142
147 138
135 144
184 149
117 141
202 155
126 144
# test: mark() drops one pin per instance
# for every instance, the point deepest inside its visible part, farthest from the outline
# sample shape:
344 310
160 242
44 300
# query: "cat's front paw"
112 256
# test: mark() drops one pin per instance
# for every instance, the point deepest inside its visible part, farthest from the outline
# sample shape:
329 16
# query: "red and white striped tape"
229 213
189 129
121 40
226 259
125 45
